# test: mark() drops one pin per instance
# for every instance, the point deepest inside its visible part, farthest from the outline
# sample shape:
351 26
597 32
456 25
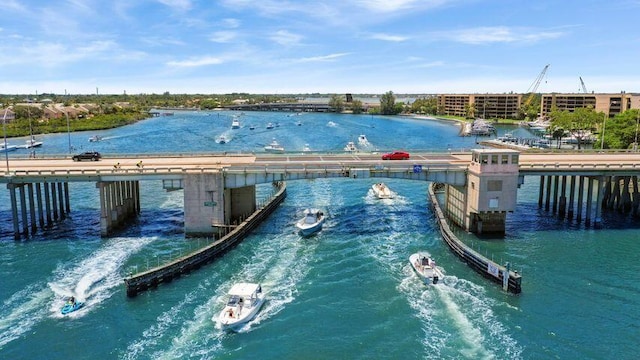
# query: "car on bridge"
88 155
396 155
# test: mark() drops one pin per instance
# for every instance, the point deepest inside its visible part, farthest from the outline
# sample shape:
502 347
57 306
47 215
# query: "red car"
396 155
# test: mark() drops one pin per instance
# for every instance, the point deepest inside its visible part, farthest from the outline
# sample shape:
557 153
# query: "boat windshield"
233 300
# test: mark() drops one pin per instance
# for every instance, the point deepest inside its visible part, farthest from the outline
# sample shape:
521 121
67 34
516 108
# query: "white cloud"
223 36
388 37
286 38
329 57
496 34
196 62
399 5
230 23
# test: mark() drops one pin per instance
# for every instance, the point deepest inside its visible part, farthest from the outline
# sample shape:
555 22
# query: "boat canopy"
244 289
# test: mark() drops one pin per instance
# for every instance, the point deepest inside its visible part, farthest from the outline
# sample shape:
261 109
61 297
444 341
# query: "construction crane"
584 88
534 86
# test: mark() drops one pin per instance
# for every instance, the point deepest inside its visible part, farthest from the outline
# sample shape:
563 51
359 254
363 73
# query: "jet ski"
71 306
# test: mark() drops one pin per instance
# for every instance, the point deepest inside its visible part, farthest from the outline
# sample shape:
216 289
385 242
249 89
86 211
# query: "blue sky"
342 46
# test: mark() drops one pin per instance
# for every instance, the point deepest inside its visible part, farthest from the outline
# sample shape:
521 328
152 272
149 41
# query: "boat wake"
457 314
282 263
22 311
93 279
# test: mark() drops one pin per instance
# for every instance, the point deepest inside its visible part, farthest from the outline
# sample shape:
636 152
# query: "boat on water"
270 126
71 305
235 124
382 191
8 148
31 143
274 147
306 148
299 123
95 138
245 300
362 140
222 139
350 147
311 222
252 127
426 268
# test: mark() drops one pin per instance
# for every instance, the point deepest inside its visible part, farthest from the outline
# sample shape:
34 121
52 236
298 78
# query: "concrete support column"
47 203
23 211
548 198
39 201
204 204
562 208
54 202
580 197
625 196
136 195
541 192
32 208
589 200
572 191
14 210
104 210
556 182
61 201
614 198
636 197
602 187
67 203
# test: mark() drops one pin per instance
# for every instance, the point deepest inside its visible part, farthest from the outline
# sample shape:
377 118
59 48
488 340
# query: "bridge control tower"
481 206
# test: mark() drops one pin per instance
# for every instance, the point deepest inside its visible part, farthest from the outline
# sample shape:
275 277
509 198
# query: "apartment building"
610 104
488 106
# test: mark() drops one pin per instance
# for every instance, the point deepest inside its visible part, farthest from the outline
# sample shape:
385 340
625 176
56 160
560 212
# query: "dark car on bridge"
89 155
396 155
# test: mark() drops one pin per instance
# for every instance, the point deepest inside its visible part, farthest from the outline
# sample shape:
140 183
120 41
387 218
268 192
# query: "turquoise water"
346 293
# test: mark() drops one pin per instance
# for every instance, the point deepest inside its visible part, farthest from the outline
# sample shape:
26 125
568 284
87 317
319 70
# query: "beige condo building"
610 104
489 106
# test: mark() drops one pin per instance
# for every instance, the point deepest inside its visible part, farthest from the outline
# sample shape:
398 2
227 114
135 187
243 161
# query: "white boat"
426 267
8 148
382 191
31 143
306 148
235 124
362 140
274 147
222 139
95 138
252 127
270 126
350 147
311 222
245 300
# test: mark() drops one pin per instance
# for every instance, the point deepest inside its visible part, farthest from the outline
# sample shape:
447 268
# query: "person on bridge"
116 167
139 165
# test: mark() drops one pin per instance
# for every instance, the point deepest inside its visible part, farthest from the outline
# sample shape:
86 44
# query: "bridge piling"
119 202
572 191
39 202
580 198
32 208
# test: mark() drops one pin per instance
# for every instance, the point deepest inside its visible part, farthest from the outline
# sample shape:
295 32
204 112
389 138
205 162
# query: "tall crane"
534 86
584 88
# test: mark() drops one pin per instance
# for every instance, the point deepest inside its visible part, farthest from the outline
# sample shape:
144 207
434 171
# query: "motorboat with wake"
270 126
426 268
306 148
274 147
382 191
245 300
71 305
311 222
350 147
222 139
235 124
95 138
31 143
362 140
8 148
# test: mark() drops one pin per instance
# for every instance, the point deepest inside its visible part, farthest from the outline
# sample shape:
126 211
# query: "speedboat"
350 147
270 126
252 127
382 191
362 140
311 222
425 266
8 148
299 123
70 306
222 139
306 148
274 147
235 124
245 300
31 143
95 138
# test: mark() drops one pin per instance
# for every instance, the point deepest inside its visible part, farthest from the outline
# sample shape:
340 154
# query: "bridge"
219 189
